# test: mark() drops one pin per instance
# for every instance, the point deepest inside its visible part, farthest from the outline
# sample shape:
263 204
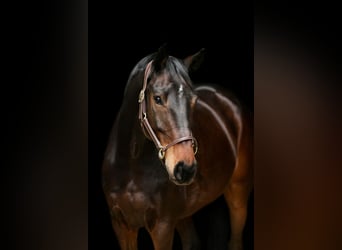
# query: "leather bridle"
146 126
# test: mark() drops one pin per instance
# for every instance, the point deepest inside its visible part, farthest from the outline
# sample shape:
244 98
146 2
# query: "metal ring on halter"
161 153
194 146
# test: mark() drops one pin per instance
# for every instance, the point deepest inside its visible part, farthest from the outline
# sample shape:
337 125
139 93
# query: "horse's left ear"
194 61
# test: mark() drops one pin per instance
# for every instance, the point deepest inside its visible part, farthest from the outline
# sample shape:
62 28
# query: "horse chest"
132 206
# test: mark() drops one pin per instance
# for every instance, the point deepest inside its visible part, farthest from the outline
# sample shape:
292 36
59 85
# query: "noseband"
146 126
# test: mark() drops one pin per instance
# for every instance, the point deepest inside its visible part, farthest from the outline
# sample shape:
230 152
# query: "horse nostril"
178 172
184 173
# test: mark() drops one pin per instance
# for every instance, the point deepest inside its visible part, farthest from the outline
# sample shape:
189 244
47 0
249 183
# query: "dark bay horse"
174 149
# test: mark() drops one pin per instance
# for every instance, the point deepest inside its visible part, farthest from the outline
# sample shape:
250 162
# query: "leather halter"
146 126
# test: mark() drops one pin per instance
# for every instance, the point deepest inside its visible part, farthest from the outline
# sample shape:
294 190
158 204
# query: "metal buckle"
161 154
141 96
194 146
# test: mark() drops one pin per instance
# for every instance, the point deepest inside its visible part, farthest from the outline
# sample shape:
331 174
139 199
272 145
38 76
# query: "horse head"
168 102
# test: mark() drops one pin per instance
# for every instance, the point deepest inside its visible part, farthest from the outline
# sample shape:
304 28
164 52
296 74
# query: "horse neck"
128 125
128 117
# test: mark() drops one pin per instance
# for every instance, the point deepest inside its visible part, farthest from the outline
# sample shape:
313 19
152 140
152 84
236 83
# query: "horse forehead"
163 77
169 76
171 82
161 81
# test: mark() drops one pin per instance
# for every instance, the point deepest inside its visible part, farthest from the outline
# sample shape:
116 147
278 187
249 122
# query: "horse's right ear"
194 61
160 58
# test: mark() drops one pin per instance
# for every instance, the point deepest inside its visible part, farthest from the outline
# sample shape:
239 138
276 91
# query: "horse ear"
194 61
160 58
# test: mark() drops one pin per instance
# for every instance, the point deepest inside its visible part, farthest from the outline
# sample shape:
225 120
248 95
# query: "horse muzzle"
184 174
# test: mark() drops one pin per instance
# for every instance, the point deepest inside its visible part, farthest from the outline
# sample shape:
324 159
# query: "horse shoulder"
236 121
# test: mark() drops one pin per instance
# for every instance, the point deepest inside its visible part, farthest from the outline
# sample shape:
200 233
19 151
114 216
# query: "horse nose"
184 173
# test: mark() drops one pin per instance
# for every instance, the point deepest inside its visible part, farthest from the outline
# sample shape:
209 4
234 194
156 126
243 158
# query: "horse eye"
158 100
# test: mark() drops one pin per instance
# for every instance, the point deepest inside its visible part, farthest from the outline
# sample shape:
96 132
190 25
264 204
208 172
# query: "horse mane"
138 69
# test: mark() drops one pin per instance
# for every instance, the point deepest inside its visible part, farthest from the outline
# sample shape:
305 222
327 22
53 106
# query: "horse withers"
175 148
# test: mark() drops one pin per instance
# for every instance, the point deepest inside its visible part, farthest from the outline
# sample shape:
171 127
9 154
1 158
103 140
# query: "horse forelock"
173 66
176 69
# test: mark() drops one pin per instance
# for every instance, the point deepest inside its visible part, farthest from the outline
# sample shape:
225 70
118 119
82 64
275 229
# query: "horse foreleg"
162 235
237 200
127 238
188 234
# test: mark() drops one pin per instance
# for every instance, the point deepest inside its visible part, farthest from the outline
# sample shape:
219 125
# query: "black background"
118 42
